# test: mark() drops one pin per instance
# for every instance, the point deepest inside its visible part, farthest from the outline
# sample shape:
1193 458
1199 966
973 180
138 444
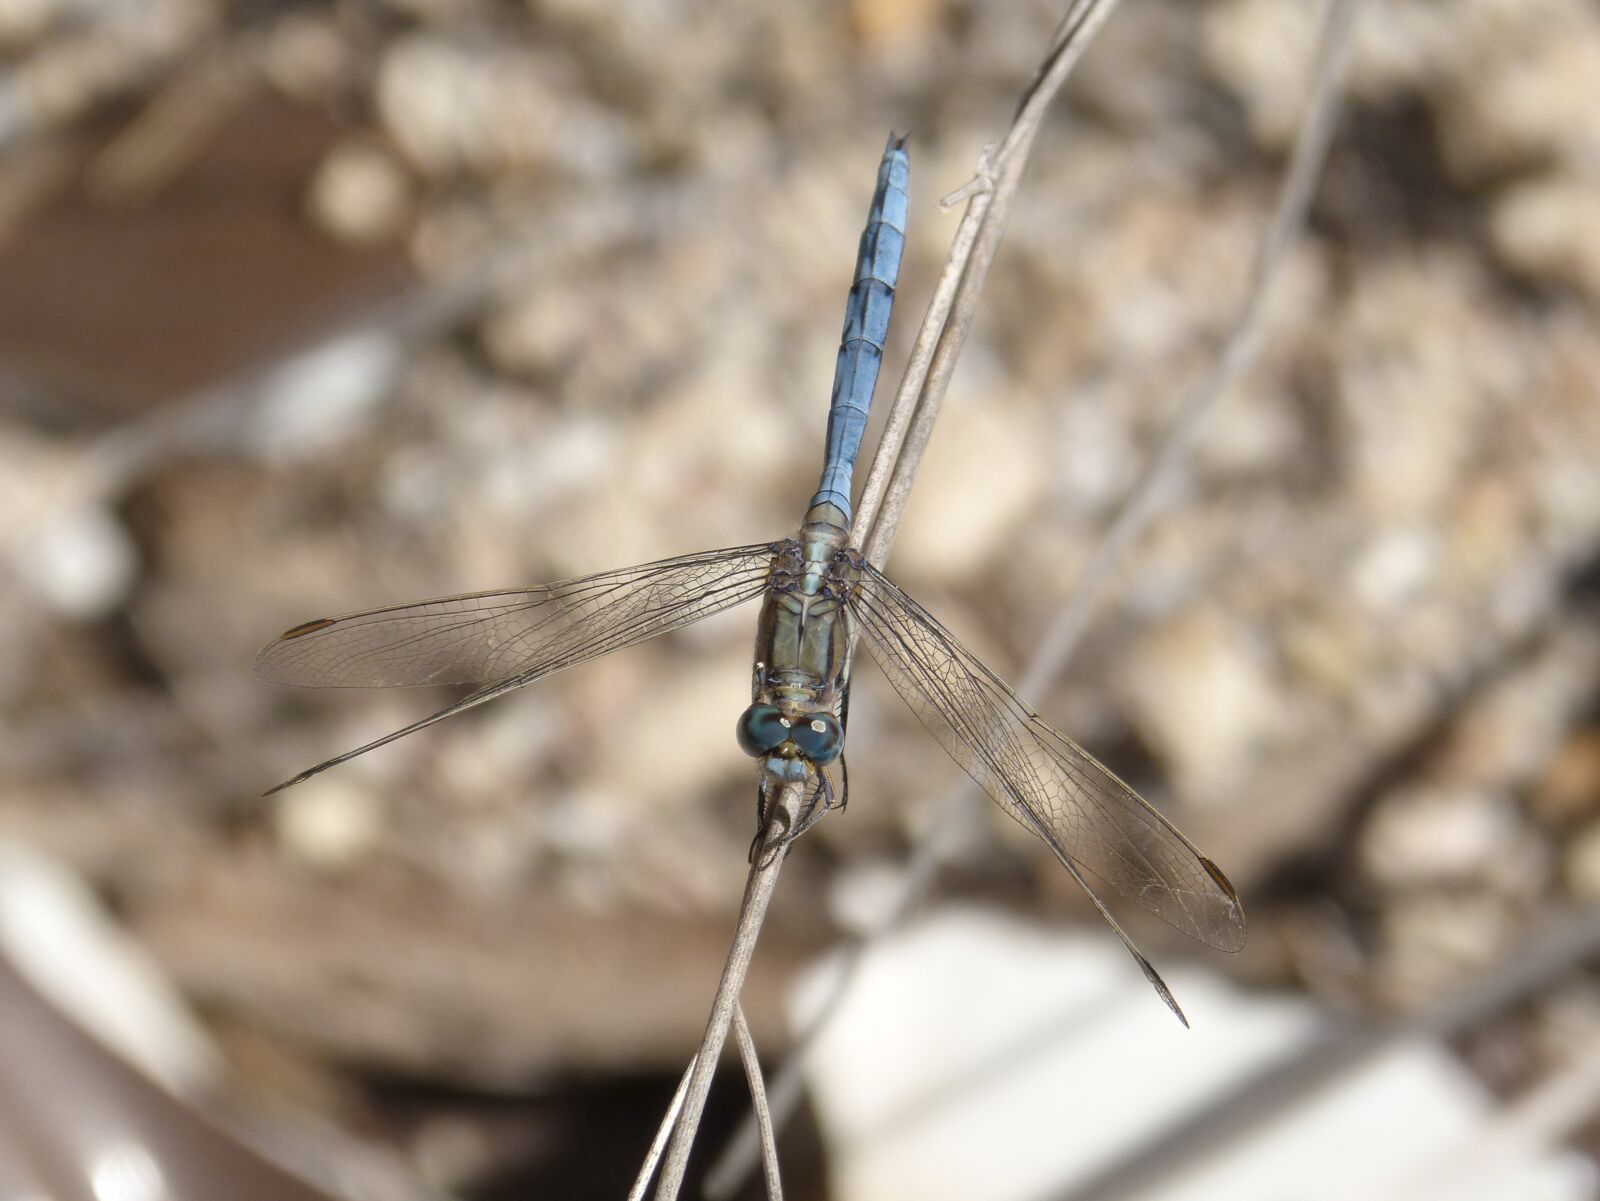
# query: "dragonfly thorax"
802 657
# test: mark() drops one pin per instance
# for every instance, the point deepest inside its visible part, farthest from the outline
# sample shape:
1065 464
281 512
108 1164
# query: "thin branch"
1142 505
738 1159
652 1157
768 861
741 1154
758 1103
1238 351
992 201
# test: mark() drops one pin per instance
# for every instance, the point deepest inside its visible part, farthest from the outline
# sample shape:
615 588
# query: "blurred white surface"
80 562
982 1056
319 398
55 933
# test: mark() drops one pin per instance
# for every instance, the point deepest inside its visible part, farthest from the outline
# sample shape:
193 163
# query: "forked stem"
658 1145
763 878
758 1104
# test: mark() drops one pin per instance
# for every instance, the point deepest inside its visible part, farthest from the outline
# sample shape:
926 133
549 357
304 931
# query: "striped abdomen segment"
866 326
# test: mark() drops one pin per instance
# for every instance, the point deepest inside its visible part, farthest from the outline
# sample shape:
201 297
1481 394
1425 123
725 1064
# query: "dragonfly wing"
510 638
522 633
1094 822
466 702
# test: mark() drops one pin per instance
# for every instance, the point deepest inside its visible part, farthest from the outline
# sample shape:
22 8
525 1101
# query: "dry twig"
949 318
758 1104
764 869
652 1157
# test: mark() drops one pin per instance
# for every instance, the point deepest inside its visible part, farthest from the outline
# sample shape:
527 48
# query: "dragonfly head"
766 732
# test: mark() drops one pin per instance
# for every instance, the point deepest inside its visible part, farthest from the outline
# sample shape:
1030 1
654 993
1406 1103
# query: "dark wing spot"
1215 873
307 627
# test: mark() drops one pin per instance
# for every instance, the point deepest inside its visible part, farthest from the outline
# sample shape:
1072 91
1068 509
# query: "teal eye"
818 736
762 729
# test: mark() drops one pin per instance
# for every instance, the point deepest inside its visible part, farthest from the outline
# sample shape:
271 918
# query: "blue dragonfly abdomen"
866 327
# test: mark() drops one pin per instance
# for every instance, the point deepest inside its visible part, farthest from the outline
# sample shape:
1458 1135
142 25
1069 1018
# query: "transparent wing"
509 638
522 632
1089 818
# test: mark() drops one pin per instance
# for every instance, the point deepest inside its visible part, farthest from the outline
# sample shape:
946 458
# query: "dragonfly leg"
764 815
761 819
844 729
820 801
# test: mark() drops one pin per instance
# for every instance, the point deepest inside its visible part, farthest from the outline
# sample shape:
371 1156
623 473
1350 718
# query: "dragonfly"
820 597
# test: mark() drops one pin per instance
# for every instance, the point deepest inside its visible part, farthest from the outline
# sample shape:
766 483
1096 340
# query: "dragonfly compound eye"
762 729
818 736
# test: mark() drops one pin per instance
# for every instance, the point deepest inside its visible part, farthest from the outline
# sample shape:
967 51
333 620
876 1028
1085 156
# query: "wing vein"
1036 774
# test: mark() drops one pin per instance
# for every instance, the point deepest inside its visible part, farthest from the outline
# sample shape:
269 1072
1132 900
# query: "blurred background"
313 307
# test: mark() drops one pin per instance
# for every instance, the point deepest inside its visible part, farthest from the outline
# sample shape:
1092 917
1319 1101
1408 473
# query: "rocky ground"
316 308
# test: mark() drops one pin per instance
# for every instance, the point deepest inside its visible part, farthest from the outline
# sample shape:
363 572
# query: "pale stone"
1550 228
1433 941
327 822
57 936
867 894
453 107
891 24
538 332
1202 692
1516 725
81 563
1583 864
1429 834
23 19
671 738
359 194
316 399
306 55
1423 371
1259 49
1330 648
1097 459
1518 85
991 1017
1393 567
981 475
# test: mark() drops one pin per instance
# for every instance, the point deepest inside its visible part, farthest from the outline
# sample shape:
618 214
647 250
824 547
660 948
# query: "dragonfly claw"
821 801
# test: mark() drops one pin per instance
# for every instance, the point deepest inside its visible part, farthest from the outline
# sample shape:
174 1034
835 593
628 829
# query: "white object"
54 932
980 1056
